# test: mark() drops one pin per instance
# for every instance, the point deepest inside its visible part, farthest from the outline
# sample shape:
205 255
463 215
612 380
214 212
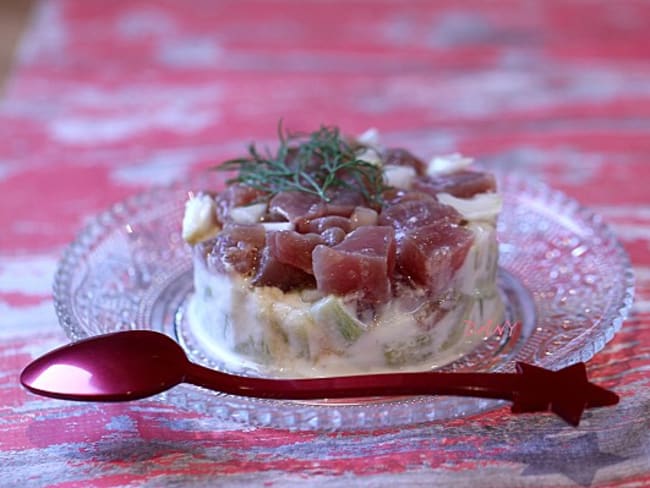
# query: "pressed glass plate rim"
322 416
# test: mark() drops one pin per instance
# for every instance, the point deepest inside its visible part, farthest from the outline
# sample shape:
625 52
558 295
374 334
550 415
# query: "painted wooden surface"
110 98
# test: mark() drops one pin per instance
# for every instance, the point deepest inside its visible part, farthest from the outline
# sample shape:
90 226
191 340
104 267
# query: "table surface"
110 98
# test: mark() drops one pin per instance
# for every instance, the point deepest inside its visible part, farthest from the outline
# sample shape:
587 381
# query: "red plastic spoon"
140 363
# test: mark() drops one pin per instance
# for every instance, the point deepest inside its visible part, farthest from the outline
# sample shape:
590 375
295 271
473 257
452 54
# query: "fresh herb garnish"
313 163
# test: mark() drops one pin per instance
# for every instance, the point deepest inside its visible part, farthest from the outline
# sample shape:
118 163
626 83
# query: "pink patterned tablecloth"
110 98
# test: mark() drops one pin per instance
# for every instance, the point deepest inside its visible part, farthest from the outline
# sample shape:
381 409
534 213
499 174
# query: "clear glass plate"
565 278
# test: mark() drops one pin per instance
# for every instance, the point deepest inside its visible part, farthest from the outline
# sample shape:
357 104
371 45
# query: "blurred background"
122 95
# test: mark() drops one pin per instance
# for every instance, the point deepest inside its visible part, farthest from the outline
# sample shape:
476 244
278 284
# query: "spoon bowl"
113 367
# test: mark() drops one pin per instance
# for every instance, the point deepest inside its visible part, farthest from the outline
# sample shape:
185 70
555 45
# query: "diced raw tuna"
371 240
237 247
343 202
393 196
461 184
273 272
236 195
293 205
411 214
401 157
363 262
290 247
363 216
333 236
320 224
429 255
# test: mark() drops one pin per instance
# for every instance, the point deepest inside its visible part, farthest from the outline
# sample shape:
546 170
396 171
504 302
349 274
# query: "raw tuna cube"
290 247
236 196
362 262
272 272
293 205
429 255
343 202
411 214
320 224
237 247
401 157
461 184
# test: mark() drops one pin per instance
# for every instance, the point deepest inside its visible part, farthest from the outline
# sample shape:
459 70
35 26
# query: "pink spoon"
139 363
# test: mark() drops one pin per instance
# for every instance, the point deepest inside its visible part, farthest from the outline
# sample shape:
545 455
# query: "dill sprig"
314 163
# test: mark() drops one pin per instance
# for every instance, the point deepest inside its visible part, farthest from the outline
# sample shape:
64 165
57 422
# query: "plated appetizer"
335 255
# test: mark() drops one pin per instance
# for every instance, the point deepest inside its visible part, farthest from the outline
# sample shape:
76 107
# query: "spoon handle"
485 385
566 392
